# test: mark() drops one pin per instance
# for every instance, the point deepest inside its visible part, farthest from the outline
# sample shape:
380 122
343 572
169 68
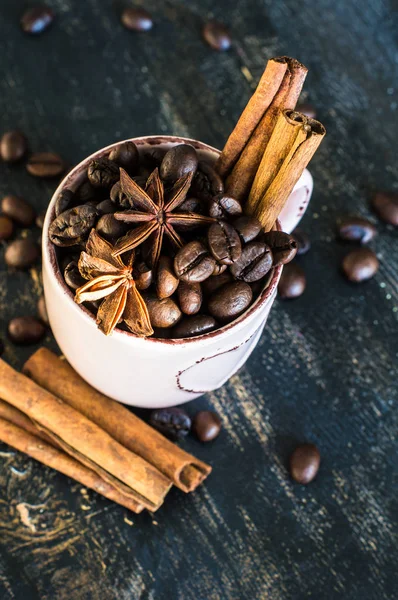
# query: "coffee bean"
224 207
307 109
64 201
254 262
386 206
142 275
302 240
71 227
224 242
119 198
21 254
153 158
218 269
162 313
360 265
190 297
217 36
13 146
304 463
42 310
18 210
283 246
109 228
45 164
166 280
193 262
230 301
103 173
207 183
215 282
25 330
206 425
106 207
86 192
126 156
247 227
173 422
39 221
193 326
192 205
136 19
6 228
178 161
72 275
292 282
37 19
356 229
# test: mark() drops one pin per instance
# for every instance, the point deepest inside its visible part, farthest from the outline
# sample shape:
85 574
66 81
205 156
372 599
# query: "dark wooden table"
325 369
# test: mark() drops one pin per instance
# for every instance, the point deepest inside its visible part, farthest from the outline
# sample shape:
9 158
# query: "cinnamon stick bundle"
57 376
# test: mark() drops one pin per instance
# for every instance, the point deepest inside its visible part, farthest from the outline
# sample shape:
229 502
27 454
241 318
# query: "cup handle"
297 203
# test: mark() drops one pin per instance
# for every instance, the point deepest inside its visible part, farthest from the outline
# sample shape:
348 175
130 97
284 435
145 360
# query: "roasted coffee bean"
37 19
356 229
86 192
360 265
304 463
224 242
218 269
193 326
21 254
230 301
103 173
18 210
126 156
302 240
106 207
217 36
109 228
178 161
190 297
254 262
142 275
386 206
214 283
162 313
6 228
193 262
207 183
42 310
13 146
247 227
260 286
153 158
141 181
72 276
192 205
292 282
25 330
39 221
283 246
224 207
136 19
166 280
73 225
173 422
119 198
45 164
64 201
206 425
307 109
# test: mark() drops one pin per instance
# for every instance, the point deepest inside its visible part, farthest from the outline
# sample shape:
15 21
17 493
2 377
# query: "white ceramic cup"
154 373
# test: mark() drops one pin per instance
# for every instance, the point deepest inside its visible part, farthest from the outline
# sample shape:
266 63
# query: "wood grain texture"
325 369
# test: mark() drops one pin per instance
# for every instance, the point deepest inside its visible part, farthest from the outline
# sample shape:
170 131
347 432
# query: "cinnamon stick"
84 440
18 431
241 179
59 377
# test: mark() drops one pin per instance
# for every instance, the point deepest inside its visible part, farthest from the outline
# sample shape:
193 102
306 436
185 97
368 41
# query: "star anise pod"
111 279
155 215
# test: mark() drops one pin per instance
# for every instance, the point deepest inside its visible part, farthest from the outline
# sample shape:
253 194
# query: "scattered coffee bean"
103 172
26 330
360 265
109 228
136 19
307 109
37 19
206 425
13 146
72 276
86 192
356 229
190 297
224 242
230 301
106 207
254 262
126 156
73 225
166 280
45 164
302 240
207 183
193 326
217 36
193 262
18 210
304 463
223 207
21 254
386 206
173 422
178 161
6 228
215 282
292 282
42 310
40 220
247 227
64 201
162 313
283 246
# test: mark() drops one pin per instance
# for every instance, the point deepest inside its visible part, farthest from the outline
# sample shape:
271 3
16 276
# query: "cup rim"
49 250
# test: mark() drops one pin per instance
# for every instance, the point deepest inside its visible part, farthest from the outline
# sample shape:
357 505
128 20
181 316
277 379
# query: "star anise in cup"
110 279
155 214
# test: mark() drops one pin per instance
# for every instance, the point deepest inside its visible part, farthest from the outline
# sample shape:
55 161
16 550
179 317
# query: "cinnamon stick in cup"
59 377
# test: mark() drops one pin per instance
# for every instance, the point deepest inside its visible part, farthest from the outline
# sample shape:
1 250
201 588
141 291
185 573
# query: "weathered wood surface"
326 367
